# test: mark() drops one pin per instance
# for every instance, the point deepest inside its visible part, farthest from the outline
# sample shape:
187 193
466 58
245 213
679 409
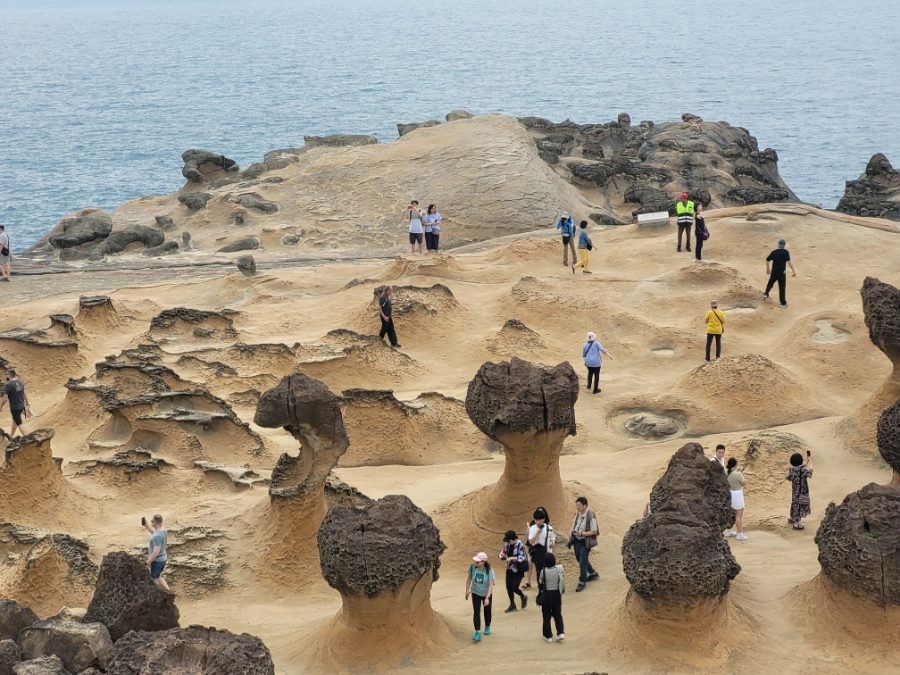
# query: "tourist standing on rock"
553 582
14 394
700 231
799 476
567 225
432 221
591 352
719 457
385 308
583 537
513 552
715 326
156 560
736 482
5 254
480 585
684 210
584 246
541 539
416 229
780 260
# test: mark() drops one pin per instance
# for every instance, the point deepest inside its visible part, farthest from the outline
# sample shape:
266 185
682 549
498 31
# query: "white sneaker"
560 637
546 639
742 537
730 533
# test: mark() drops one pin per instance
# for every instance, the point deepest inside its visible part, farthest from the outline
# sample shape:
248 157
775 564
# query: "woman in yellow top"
715 326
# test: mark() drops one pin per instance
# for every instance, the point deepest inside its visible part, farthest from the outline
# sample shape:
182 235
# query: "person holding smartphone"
799 475
156 558
541 538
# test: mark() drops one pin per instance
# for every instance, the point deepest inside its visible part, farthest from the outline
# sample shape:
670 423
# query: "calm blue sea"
98 99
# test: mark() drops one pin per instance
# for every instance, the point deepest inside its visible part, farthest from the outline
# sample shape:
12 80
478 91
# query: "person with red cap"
684 209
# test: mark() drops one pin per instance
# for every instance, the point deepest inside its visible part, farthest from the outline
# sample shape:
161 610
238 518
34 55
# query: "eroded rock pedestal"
876 193
383 560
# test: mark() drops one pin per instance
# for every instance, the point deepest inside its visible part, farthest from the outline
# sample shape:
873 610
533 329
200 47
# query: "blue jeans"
582 555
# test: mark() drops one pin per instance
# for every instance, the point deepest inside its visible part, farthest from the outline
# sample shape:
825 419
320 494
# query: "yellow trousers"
585 259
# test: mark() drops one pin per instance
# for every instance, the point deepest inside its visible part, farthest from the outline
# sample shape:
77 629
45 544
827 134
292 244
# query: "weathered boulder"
46 665
187 243
254 202
165 223
246 265
876 193
13 618
10 655
126 599
651 425
881 307
190 651
454 115
888 436
195 200
118 240
245 244
338 140
404 129
859 543
85 227
78 645
198 163
166 248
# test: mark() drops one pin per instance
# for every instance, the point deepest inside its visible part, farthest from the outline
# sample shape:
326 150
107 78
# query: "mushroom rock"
881 307
199 164
859 544
307 409
876 193
383 560
530 411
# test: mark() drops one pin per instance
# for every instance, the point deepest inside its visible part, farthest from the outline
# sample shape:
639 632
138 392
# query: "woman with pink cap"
480 585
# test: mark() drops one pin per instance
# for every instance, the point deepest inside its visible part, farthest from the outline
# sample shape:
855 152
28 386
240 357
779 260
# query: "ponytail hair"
732 464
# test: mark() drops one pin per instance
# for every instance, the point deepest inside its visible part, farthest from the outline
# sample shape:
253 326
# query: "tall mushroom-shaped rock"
307 409
383 560
530 411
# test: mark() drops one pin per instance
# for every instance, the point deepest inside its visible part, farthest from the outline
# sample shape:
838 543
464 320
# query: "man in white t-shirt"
719 457
541 539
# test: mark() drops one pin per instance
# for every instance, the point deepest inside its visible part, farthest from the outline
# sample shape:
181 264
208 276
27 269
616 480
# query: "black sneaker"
579 588
524 601
594 576
783 304
765 296
586 272
679 249
511 608
396 346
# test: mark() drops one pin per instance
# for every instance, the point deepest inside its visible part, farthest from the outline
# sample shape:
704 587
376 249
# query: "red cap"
684 195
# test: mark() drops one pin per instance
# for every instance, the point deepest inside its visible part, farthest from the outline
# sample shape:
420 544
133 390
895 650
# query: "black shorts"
416 237
17 416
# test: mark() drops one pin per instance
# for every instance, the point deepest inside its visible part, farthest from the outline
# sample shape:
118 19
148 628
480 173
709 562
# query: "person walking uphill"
583 537
156 559
684 210
385 308
567 225
14 394
591 352
584 246
5 254
513 553
781 260
715 326
480 585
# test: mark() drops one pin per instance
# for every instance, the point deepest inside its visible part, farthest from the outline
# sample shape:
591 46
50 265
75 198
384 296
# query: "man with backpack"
567 225
584 246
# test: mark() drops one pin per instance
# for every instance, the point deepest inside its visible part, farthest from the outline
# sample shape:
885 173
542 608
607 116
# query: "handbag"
705 234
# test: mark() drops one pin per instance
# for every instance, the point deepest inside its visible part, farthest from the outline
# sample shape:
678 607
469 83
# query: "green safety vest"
682 209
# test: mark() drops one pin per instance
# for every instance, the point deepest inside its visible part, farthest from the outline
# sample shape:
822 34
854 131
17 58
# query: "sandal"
798 526
528 585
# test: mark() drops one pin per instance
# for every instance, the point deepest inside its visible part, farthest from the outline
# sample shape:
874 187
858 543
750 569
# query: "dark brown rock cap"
887 434
881 307
523 397
379 547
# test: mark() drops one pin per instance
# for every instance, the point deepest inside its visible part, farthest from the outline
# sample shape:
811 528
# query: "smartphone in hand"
808 453
144 522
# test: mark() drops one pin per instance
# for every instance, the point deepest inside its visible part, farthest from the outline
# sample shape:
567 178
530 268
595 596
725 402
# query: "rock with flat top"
78 645
13 618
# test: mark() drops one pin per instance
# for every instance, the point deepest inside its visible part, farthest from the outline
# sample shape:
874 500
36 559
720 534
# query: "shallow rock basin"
829 334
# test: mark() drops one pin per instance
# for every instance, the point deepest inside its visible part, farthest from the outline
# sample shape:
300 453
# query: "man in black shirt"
387 322
780 259
14 394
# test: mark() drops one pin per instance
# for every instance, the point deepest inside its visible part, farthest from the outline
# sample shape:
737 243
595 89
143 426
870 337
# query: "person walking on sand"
385 308
5 254
736 482
156 560
552 580
541 538
567 225
14 394
583 536
513 552
700 231
416 229
684 210
591 352
799 475
584 246
715 326
480 585
780 260
432 222
719 457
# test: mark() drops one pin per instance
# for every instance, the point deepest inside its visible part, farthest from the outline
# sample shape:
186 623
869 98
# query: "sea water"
98 99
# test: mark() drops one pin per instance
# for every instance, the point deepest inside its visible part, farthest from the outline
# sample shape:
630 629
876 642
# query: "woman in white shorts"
736 482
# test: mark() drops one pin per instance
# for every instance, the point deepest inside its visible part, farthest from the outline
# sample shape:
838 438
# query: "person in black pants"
541 538
516 563
780 259
387 321
551 606
700 231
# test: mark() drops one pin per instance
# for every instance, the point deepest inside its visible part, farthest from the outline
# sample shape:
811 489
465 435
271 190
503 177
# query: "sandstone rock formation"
888 437
13 618
195 650
876 193
85 227
403 129
245 244
198 164
45 665
195 200
859 543
31 482
78 645
126 599
10 655
338 140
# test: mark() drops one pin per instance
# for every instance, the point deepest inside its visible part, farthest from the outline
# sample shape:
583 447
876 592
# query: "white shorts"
737 499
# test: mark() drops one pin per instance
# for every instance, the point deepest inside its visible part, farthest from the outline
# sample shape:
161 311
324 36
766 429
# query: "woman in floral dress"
799 475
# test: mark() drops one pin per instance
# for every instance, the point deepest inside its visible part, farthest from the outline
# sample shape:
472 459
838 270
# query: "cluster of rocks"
876 193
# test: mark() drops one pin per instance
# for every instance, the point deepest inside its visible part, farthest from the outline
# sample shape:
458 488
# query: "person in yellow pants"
584 247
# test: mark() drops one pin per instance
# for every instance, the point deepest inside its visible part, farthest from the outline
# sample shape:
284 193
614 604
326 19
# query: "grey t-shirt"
415 223
159 538
551 578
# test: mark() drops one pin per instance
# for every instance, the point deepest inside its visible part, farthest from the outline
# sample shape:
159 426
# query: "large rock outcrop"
32 486
126 599
45 665
530 411
10 655
190 651
888 438
78 645
13 618
876 193
85 227
200 164
383 560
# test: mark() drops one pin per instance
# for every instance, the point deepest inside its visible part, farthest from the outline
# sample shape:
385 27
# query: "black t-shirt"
385 303
15 390
779 258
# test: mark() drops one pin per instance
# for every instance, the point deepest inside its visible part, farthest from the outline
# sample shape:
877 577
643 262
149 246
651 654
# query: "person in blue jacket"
592 359
567 225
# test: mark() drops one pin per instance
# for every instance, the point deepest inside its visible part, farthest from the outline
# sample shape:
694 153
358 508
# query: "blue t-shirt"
567 225
159 538
480 579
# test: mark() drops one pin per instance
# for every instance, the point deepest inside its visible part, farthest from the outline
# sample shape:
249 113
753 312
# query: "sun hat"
510 535
565 214
684 195
591 337
480 557
782 242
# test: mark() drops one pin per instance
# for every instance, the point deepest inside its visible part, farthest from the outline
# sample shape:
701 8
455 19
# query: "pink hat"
480 557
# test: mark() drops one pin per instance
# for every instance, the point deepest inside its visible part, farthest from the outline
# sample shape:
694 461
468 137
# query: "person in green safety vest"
684 209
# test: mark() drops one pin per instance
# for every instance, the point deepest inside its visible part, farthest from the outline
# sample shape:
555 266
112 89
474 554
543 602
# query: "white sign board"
653 219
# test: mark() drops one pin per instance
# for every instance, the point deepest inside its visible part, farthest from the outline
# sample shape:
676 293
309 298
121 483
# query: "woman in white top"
416 231
736 482
432 222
